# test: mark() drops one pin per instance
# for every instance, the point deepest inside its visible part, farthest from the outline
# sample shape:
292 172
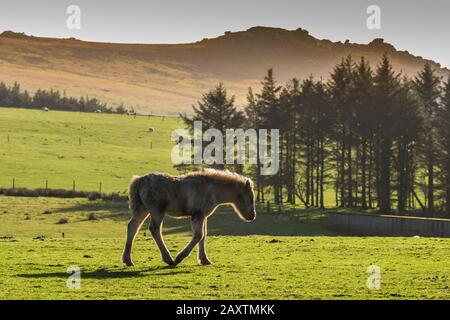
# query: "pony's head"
244 203
231 188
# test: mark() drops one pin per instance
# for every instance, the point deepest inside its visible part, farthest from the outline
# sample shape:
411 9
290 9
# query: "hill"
167 79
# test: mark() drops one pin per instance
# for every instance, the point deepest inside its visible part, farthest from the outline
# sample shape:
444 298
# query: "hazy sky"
419 26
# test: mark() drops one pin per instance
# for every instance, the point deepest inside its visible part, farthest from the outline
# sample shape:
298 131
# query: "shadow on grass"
117 211
223 222
104 273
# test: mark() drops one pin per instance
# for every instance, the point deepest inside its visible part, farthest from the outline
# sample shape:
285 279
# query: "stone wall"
377 225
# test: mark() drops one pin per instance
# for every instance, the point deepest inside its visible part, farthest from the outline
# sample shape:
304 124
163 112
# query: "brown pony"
195 195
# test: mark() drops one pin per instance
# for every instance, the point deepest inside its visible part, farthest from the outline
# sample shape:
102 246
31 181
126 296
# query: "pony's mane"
222 176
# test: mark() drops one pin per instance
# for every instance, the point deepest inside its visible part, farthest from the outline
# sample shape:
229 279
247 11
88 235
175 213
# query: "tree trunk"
322 172
447 187
363 175
370 182
401 189
349 174
430 168
308 171
385 176
342 169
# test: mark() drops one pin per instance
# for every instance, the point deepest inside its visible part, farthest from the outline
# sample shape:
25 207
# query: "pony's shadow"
104 273
305 222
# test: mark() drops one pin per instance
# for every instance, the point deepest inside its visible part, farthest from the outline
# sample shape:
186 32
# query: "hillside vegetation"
169 78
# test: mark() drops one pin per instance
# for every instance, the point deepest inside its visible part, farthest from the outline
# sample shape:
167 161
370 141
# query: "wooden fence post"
14 183
73 185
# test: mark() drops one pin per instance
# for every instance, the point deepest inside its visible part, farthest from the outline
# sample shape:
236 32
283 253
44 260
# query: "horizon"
416 26
219 35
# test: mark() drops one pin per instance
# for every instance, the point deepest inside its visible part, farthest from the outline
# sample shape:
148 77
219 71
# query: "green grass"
278 256
46 146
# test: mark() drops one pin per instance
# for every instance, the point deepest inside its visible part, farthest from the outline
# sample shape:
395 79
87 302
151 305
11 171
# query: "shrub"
92 216
63 221
62 193
94 196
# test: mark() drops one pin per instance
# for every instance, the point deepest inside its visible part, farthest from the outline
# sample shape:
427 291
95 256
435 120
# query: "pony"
195 195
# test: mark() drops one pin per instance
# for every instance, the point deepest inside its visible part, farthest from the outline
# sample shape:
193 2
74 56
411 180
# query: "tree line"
372 138
14 97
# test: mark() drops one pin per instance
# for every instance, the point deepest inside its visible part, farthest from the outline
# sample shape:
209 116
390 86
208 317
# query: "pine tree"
253 121
290 100
268 111
386 90
444 139
427 85
216 111
339 88
324 125
407 124
362 93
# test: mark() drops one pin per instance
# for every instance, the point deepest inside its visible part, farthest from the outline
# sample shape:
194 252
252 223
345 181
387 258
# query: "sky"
422 27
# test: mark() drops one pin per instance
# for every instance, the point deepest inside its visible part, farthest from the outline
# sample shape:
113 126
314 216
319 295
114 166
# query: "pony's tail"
133 194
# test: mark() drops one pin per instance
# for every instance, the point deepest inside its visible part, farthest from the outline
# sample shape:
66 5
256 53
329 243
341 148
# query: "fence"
46 186
19 190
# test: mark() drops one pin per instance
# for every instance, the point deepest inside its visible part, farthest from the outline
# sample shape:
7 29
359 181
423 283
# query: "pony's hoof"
204 262
169 261
128 262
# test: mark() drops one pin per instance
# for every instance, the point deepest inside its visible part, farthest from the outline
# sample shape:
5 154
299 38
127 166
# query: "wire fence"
62 187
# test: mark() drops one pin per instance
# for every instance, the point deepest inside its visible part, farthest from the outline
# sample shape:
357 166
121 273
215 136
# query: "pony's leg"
138 218
197 235
155 229
202 256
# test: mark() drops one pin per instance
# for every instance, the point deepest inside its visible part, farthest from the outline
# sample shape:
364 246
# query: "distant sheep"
45 109
151 129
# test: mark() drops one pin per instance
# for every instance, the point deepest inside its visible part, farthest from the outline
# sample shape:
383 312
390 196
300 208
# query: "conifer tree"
426 84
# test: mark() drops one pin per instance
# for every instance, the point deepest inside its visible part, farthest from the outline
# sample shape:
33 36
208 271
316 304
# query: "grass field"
46 146
279 256
37 146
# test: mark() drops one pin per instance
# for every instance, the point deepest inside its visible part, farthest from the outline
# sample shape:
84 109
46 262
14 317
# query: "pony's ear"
248 184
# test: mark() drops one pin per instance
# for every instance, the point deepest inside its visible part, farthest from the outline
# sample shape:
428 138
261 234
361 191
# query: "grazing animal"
195 195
